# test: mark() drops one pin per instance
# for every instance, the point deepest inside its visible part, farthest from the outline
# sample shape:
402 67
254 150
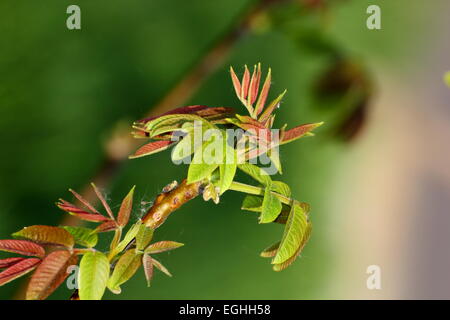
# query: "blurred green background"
62 92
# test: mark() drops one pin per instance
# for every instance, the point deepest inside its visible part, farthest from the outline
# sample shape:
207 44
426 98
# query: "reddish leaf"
107 226
6 263
181 110
162 246
254 84
245 83
236 83
84 201
271 107
18 270
147 262
161 267
103 201
24 247
50 274
216 114
47 235
298 132
151 148
264 93
125 209
79 213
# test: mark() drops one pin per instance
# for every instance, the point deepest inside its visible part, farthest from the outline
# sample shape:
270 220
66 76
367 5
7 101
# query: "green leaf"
183 149
281 188
256 173
252 203
143 237
287 263
125 268
129 236
93 275
294 234
228 167
83 236
199 169
47 235
271 251
271 207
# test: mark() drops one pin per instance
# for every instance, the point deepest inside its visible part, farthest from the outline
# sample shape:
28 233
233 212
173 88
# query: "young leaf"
151 148
252 203
227 169
47 235
270 251
256 173
181 110
129 236
287 263
271 107
184 148
83 236
236 83
298 132
23 247
162 246
81 214
271 207
8 262
125 268
160 267
84 202
147 261
125 209
245 83
281 188
103 201
107 226
93 275
18 269
254 84
143 237
50 274
199 169
264 93
293 236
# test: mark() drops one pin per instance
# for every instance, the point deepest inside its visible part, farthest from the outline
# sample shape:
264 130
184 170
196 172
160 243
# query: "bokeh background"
377 174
